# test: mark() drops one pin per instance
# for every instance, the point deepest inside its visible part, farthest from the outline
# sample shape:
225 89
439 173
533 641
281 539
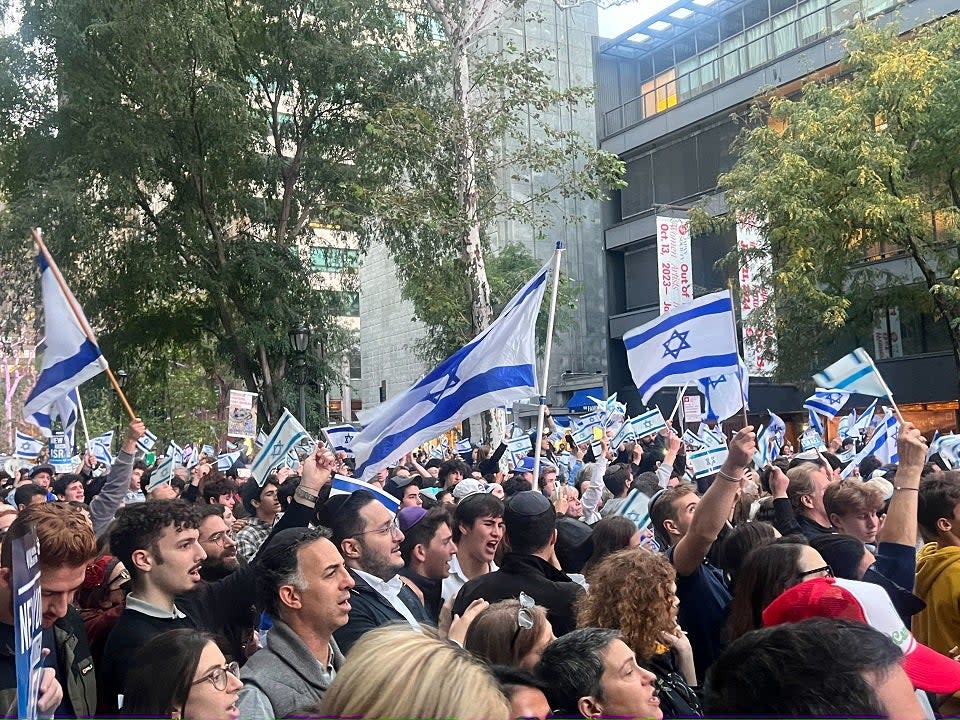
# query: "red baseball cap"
867 603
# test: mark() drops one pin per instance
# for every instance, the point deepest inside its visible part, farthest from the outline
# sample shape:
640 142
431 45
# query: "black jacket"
370 610
549 588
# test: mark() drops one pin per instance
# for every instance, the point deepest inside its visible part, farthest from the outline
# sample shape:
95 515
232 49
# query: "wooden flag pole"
733 319
546 362
78 314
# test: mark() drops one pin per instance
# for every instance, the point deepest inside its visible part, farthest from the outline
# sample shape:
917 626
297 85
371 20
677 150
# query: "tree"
483 144
175 152
867 158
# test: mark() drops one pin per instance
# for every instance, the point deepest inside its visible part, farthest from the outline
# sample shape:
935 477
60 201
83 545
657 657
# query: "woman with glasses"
635 591
510 632
182 675
766 572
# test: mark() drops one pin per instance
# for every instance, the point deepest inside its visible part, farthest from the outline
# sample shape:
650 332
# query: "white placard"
675 279
754 294
692 409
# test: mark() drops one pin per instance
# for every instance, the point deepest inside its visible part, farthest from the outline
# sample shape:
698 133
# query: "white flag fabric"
726 394
65 408
226 461
694 341
883 445
649 423
147 442
865 421
286 434
70 357
853 373
494 369
827 402
708 461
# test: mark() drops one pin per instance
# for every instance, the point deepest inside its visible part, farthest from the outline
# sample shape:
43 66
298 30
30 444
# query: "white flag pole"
679 400
883 384
83 419
546 363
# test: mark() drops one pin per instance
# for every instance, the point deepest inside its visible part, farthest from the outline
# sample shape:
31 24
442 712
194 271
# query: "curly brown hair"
630 591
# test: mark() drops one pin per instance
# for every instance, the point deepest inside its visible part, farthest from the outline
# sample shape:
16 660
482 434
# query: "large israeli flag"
726 394
853 373
286 434
694 341
827 402
70 357
494 369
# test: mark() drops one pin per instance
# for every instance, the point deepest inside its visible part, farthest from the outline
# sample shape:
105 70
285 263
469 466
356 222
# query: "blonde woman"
395 672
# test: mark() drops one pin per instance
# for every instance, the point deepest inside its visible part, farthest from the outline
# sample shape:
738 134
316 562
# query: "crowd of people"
778 591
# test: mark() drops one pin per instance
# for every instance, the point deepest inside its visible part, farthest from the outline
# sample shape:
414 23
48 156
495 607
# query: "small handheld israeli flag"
624 435
226 461
708 461
691 439
649 423
161 474
209 451
28 447
853 373
286 435
174 451
828 402
100 446
340 437
636 508
147 442
464 446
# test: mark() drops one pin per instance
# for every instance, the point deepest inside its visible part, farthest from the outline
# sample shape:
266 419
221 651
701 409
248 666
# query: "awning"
581 401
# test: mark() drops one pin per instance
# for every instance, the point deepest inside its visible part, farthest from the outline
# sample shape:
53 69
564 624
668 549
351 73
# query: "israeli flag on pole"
66 409
70 357
694 341
879 445
711 438
726 394
650 422
101 445
226 461
865 421
949 449
495 368
624 435
691 439
776 431
147 442
827 402
261 439
853 373
340 437
708 461
815 423
209 450
161 474
761 458
175 451
28 447
286 434
342 485
464 446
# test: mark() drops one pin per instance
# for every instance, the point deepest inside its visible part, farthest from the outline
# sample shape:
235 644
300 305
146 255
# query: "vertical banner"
27 615
754 294
242 416
60 452
887 340
675 278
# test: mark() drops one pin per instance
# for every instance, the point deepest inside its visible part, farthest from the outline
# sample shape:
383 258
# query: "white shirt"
390 590
456 579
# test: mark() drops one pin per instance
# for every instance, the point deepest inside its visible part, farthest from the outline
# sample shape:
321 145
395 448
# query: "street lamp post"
299 342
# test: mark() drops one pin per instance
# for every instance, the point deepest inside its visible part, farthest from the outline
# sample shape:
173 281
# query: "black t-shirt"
704 601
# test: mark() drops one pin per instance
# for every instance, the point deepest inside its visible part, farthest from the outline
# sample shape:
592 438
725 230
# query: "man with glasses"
368 537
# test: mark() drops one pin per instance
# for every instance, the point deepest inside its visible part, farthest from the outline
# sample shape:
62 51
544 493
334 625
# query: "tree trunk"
472 250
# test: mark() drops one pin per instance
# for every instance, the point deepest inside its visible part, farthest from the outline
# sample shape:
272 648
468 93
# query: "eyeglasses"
826 570
524 617
391 528
218 676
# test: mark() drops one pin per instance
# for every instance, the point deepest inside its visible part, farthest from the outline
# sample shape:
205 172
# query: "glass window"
640 271
637 196
707 36
731 24
675 171
685 47
756 11
327 259
663 59
778 6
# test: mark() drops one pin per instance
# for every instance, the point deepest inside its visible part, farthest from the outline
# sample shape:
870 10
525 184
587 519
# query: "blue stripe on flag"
850 379
825 408
722 305
341 485
494 379
65 369
686 366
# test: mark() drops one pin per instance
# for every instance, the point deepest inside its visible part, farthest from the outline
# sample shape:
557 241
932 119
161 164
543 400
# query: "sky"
620 18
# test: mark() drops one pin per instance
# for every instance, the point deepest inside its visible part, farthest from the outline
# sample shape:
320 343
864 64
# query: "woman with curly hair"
635 591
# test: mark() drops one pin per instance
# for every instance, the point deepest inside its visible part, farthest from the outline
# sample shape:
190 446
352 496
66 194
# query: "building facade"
667 90
389 335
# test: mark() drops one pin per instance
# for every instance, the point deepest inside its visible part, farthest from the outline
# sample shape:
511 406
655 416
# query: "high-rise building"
389 335
666 91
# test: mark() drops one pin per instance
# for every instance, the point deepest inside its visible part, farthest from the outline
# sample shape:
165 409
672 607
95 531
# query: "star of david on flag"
686 344
827 402
726 394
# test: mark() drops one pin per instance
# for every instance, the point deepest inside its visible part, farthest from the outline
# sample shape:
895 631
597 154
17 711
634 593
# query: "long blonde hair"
395 672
